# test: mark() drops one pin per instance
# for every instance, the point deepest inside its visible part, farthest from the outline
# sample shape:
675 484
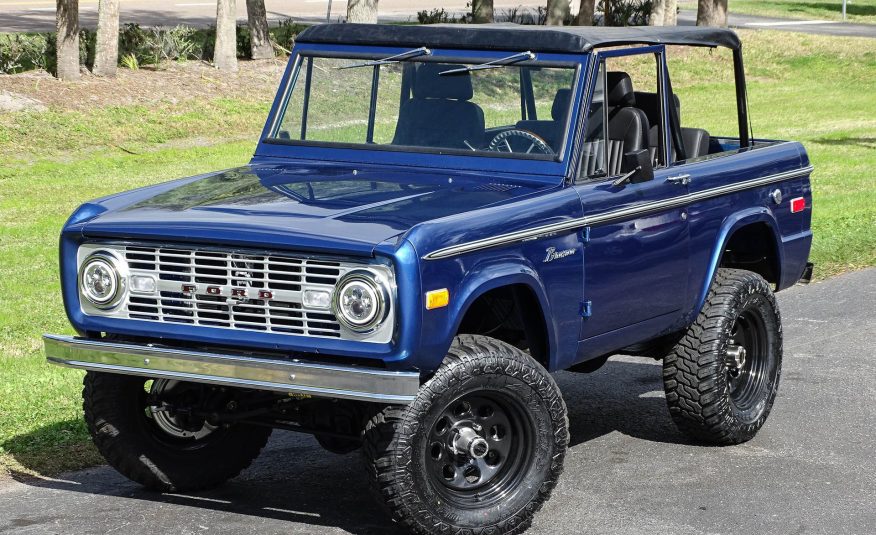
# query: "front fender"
731 224
441 325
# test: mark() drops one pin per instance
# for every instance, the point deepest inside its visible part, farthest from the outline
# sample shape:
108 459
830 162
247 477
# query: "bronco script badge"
553 254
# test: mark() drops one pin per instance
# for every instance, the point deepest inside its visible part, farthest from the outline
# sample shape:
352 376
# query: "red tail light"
798 205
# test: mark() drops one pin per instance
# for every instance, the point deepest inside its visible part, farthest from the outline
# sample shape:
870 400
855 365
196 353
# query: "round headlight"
360 302
100 280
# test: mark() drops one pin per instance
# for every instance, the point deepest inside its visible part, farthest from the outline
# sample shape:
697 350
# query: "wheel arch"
521 283
757 231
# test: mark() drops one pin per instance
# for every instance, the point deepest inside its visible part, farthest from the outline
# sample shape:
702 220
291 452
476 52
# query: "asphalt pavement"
39 15
810 470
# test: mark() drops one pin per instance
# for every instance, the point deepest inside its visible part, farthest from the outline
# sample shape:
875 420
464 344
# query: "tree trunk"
362 11
67 44
670 13
106 50
712 13
482 11
606 13
658 13
225 52
585 13
260 42
557 12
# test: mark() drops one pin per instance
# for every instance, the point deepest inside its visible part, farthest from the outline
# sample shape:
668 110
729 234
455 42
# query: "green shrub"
440 16
284 34
244 42
522 15
151 46
627 12
87 47
129 61
21 52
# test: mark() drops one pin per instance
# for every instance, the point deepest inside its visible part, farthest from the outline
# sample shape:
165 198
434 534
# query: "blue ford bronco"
434 220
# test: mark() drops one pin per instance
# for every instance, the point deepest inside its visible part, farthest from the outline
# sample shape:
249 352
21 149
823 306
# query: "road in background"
39 15
628 471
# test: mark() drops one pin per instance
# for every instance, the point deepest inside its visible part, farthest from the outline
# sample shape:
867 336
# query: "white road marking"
195 5
791 23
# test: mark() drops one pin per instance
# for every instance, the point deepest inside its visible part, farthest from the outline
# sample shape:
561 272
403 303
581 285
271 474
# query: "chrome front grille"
229 289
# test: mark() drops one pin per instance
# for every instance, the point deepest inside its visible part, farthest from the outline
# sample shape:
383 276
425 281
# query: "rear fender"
730 225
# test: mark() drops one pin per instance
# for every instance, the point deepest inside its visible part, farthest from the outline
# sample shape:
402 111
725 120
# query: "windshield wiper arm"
495 64
415 53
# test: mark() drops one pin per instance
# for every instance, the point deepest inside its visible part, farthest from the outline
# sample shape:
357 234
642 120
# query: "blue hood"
319 207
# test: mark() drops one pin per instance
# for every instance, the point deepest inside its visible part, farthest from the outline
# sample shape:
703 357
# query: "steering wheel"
516 140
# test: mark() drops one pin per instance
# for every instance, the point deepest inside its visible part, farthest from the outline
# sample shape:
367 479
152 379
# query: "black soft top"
515 37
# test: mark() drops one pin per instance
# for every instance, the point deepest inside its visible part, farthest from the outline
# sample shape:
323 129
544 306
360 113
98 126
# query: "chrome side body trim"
147 360
624 213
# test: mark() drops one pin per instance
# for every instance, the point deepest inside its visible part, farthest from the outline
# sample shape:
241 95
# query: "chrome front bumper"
148 360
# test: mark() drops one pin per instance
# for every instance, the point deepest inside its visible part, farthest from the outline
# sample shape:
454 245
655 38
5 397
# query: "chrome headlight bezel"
376 286
119 278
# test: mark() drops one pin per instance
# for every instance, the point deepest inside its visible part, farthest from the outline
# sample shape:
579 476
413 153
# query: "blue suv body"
352 265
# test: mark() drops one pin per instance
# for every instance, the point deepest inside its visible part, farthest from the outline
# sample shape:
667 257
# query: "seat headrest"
428 83
620 89
561 104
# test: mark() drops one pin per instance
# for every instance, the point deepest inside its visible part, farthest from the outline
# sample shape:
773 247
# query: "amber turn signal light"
437 298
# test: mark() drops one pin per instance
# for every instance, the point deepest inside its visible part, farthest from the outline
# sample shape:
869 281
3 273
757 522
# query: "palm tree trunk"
225 51
670 13
362 11
658 13
482 11
585 13
712 13
106 54
260 42
67 43
557 12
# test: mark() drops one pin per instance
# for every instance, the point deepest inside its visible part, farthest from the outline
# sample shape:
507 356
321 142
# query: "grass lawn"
856 10
810 88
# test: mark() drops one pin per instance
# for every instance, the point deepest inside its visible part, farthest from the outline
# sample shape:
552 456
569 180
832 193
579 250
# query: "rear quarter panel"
713 221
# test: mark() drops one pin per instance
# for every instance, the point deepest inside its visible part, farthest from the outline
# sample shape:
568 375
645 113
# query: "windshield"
416 103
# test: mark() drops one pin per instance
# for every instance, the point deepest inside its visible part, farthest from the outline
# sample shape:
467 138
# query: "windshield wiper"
495 64
415 53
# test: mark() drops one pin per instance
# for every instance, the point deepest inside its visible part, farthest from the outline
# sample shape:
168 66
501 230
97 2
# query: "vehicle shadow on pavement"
625 396
295 481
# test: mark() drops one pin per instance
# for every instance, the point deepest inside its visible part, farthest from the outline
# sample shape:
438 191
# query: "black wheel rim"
479 448
750 377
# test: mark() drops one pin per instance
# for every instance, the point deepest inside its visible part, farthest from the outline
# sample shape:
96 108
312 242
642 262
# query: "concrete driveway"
812 469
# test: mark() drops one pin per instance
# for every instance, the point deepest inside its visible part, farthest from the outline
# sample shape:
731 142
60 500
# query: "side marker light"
437 299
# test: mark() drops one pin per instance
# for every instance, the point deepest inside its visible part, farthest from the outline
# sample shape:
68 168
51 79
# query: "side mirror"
638 164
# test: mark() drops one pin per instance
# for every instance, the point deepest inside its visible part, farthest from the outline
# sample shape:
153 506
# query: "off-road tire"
696 376
397 437
116 420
